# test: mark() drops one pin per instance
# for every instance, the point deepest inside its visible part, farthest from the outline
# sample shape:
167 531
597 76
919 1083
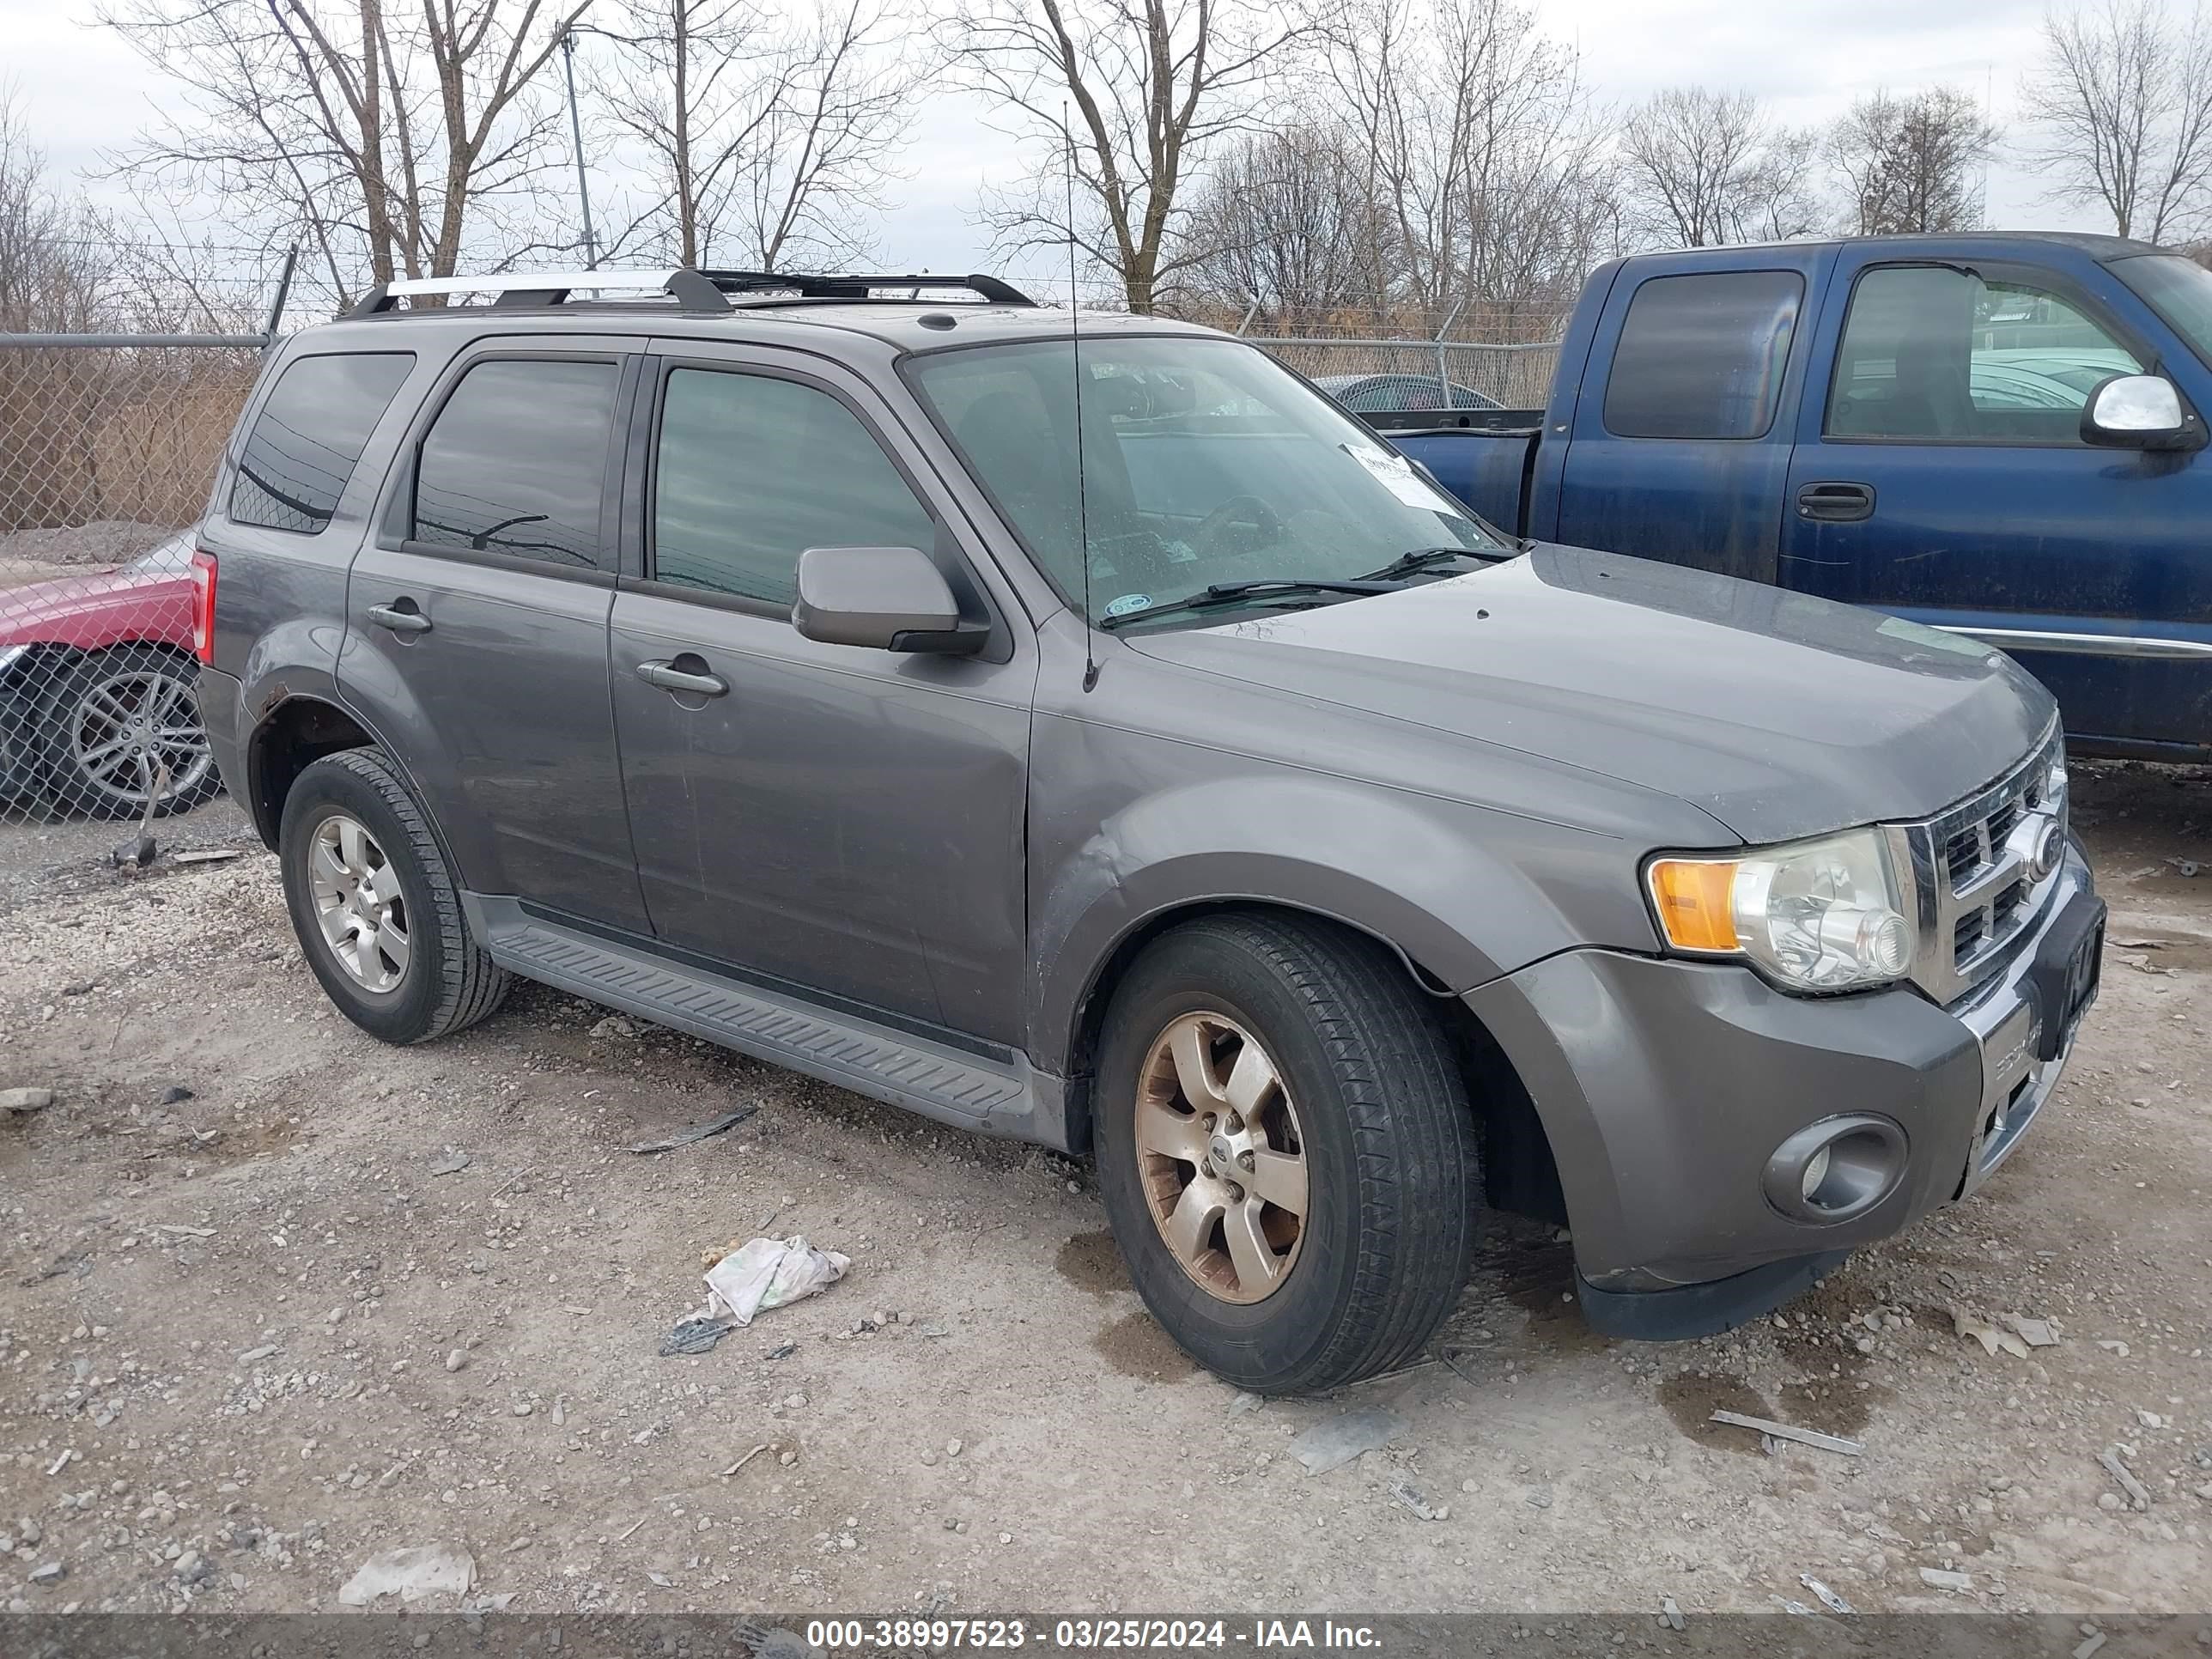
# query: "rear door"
835 820
1940 473
476 626
1682 453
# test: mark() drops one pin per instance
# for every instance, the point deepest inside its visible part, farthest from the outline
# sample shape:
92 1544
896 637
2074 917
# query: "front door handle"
401 616
670 678
1835 502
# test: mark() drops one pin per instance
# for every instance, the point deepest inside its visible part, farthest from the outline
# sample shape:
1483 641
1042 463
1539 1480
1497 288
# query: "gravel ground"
275 1298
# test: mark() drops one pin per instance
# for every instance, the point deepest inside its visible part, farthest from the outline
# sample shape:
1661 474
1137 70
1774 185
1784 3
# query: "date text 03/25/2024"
1101 1635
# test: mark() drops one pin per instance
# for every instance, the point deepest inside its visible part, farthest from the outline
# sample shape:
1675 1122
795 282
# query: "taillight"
203 604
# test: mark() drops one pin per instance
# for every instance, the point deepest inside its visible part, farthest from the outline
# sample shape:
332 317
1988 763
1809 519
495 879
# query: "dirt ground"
253 1333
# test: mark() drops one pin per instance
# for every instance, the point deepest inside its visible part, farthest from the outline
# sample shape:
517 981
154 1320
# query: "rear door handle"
1836 503
670 678
399 619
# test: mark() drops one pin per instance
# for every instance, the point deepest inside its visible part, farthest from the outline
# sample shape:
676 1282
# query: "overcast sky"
82 90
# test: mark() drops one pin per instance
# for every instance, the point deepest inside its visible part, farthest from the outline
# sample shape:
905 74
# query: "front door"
834 819
476 626
1940 473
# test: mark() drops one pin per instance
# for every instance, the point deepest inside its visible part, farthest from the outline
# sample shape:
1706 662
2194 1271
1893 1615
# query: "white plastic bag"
767 1272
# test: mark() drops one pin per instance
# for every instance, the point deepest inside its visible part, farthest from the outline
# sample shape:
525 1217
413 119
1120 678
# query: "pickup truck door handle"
1836 503
670 678
401 616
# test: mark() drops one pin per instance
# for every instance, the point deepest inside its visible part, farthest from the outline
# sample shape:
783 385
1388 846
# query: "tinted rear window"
1701 356
516 461
308 438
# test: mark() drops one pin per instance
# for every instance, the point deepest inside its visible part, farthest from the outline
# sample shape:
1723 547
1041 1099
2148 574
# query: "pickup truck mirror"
2139 411
894 598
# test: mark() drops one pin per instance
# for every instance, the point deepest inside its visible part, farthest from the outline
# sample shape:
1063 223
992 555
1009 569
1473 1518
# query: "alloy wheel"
1221 1156
358 902
130 727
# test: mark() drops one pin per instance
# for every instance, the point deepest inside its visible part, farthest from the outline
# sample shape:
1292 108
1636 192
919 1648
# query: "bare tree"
2122 102
47 283
1125 96
1701 168
1289 221
384 140
764 133
1482 148
1911 164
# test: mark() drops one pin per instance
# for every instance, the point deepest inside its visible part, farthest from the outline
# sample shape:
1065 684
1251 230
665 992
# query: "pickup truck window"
308 438
2179 290
1701 355
753 470
515 461
1204 461
1937 353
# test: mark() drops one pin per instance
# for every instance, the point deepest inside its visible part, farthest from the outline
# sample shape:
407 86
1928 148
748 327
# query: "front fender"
1466 894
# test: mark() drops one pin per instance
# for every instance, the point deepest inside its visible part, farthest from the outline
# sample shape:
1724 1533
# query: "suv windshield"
1203 463
2179 290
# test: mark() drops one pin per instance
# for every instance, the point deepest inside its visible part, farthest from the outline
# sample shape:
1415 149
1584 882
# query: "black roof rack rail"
692 291
696 291
856 285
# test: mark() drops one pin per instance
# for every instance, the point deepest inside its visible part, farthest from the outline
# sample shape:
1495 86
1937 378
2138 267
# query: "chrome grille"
1977 894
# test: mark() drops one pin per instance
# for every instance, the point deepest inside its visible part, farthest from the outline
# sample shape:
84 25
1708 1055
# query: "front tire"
114 719
377 911
1285 1151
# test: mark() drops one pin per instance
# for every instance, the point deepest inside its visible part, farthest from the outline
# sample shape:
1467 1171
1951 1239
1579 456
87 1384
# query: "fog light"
1836 1169
1816 1171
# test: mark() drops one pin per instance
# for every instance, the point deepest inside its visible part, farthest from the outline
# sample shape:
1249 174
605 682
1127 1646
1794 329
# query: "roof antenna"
1075 356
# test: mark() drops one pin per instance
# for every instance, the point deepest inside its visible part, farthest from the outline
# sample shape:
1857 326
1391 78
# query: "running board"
932 1079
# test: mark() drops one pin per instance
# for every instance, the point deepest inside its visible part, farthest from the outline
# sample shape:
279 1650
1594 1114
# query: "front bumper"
1665 1086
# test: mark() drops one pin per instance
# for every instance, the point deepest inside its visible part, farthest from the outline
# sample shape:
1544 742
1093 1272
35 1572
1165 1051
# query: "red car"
98 690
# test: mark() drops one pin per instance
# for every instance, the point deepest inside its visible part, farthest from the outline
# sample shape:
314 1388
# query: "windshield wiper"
1259 588
1426 558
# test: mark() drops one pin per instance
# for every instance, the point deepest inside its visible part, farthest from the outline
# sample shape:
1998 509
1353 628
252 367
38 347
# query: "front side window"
308 438
1203 462
754 470
516 462
2179 290
1937 353
1702 355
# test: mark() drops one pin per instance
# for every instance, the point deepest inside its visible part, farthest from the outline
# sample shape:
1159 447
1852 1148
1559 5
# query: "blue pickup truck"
1997 434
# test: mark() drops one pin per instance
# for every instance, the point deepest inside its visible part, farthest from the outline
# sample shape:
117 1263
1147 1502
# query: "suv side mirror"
894 598
2139 411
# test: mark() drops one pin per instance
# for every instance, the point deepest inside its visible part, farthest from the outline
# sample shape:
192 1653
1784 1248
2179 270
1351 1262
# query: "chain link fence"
107 448
1376 376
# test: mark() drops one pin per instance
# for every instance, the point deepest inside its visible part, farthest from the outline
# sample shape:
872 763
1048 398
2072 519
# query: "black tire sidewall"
408 1013
55 720
1290 1330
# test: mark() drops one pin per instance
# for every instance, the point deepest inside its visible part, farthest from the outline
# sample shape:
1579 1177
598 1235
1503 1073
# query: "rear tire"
377 911
1311 1045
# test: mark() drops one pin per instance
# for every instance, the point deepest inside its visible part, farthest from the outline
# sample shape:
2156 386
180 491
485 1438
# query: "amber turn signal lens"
1691 897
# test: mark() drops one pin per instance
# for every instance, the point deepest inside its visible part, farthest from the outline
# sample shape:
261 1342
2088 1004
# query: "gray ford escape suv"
1101 738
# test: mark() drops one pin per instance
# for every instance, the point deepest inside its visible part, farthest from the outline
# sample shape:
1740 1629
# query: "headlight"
1813 915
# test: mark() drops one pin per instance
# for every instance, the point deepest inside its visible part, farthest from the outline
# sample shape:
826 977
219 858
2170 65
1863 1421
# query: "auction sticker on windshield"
1395 474
1129 602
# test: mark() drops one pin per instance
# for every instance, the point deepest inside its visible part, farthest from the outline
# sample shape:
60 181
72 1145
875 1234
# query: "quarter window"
516 462
308 438
753 470
1934 353
1702 355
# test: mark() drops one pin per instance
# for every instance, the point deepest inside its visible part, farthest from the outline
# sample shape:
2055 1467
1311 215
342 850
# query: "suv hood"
1780 714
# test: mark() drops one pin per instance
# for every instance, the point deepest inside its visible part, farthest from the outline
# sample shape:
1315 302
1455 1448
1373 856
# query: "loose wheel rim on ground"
1221 1158
358 902
128 725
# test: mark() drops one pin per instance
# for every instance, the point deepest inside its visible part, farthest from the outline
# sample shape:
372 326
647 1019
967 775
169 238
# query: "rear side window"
1701 355
516 462
308 438
754 470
